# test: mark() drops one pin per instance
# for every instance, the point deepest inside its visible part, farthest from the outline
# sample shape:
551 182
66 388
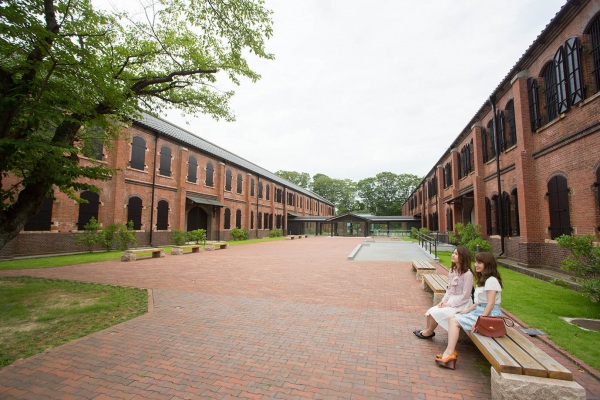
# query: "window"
278 195
484 145
447 175
228 180
252 187
534 104
595 36
238 219
496 215
558 204
561 81
506 215
574 78
162 215
251 219
515 214
192 169
268 191
449 220
491 142
227 223
209 174
260 190
42 221
471 157
511 131
259 220
165 161
138 153
87 210
239 184
488 216
500 131
550 91
266 221
134 212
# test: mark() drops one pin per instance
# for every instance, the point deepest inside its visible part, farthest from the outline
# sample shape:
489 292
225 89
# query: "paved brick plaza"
286 319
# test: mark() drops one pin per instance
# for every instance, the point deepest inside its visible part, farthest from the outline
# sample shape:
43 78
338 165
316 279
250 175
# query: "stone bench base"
131 255
522 387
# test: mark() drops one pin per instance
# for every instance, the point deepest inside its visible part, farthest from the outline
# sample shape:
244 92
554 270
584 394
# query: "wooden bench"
216 246
179 250
131 255
520 369
437 284
292 237
422 268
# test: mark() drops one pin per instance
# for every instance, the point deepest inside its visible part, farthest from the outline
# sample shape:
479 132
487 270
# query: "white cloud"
359 88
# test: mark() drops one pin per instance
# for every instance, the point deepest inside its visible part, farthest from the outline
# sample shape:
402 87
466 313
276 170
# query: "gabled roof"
167 129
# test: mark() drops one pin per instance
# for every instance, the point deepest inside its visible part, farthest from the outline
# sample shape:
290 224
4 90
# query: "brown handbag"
491 326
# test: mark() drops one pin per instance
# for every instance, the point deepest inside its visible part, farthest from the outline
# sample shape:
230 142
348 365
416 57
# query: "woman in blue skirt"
487 302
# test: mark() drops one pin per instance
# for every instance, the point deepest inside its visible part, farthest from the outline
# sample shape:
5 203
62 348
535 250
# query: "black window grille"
550 91
227 222
484 145
266 221
42 221
595 36
259 220
162 215
239 184
238 219
192 169
260 190
251 219
165 161
515 216
500 130
574 76
534 104
471 157
561 81
461 162
448 175
252 187
138 153
134 212
558 203
89 209
488 216
491 143
268 192
496 215
228 180
511 136
278 195
209 174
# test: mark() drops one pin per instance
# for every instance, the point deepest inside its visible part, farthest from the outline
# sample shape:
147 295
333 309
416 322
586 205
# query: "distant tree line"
382 194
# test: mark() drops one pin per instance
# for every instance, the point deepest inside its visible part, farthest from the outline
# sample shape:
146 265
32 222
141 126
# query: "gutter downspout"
500 202
153 187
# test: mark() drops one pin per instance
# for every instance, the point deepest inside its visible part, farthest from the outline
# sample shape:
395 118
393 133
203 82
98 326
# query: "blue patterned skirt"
468 320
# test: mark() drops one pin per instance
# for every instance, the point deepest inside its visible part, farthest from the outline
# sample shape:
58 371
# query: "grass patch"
38 314
541 305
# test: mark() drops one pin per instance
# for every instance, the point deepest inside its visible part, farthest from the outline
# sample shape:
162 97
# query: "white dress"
458 297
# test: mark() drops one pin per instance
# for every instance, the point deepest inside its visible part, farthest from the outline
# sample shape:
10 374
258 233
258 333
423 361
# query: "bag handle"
507 320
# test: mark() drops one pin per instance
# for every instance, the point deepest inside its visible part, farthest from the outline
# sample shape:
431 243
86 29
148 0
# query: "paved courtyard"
290 319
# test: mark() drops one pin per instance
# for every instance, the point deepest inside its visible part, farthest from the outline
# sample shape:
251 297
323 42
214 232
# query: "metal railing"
389 233
428 242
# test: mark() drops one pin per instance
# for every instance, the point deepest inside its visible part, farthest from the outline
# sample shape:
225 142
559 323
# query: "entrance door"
197 219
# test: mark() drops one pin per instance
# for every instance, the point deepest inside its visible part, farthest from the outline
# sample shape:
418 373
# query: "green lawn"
541 305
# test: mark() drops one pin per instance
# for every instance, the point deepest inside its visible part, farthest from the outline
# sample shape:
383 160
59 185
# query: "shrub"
469 236
179 237
584 262
239 234
108 236
275 233
198 235
125 236
91 235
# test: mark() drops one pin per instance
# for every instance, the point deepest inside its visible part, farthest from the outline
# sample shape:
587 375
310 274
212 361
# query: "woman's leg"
431 325
453 332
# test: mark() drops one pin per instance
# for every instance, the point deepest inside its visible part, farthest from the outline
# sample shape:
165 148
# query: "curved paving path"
288 319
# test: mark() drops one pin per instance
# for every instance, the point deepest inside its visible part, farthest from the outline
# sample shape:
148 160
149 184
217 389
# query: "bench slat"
434 283
495 354
554 369
528 364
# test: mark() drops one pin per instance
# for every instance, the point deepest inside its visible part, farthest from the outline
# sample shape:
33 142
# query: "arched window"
134 212
500 130
238 219
239 184
209 174
573 65
266 221
488 216
515 214
534 104
42 221
558 205
495 215
259 220
192 169
251 219
260 190
162 215
447 175
227 223
484 145
550 91
491 143
506 215
268 192
471 157
228 180
87 210
561 81
511 128
138 153
595 36
252 187
165 161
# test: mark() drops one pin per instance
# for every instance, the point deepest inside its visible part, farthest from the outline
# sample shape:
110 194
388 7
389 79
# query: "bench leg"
511 386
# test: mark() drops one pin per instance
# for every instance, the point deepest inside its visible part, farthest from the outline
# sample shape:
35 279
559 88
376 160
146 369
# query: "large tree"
301 179
386 192
341 192
67 68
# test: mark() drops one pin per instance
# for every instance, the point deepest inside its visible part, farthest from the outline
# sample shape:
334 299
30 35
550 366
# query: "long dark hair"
464 261
489 268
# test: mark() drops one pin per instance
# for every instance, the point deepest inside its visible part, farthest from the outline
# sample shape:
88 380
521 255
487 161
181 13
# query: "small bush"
125 236
469 236
197 236
179 237
240 234
91 235
108 236
584 262
275 233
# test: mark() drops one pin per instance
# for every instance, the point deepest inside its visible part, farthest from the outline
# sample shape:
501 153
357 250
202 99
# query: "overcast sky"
359 87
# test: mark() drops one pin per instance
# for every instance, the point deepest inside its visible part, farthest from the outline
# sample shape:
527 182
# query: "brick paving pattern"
284 320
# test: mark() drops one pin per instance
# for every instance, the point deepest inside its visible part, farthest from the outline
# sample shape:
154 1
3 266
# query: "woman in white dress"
488 295
457 297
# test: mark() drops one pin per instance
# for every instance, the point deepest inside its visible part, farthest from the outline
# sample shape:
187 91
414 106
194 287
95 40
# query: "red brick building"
526 168
167 178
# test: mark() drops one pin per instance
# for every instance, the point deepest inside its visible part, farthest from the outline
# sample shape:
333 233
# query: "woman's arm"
491 302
